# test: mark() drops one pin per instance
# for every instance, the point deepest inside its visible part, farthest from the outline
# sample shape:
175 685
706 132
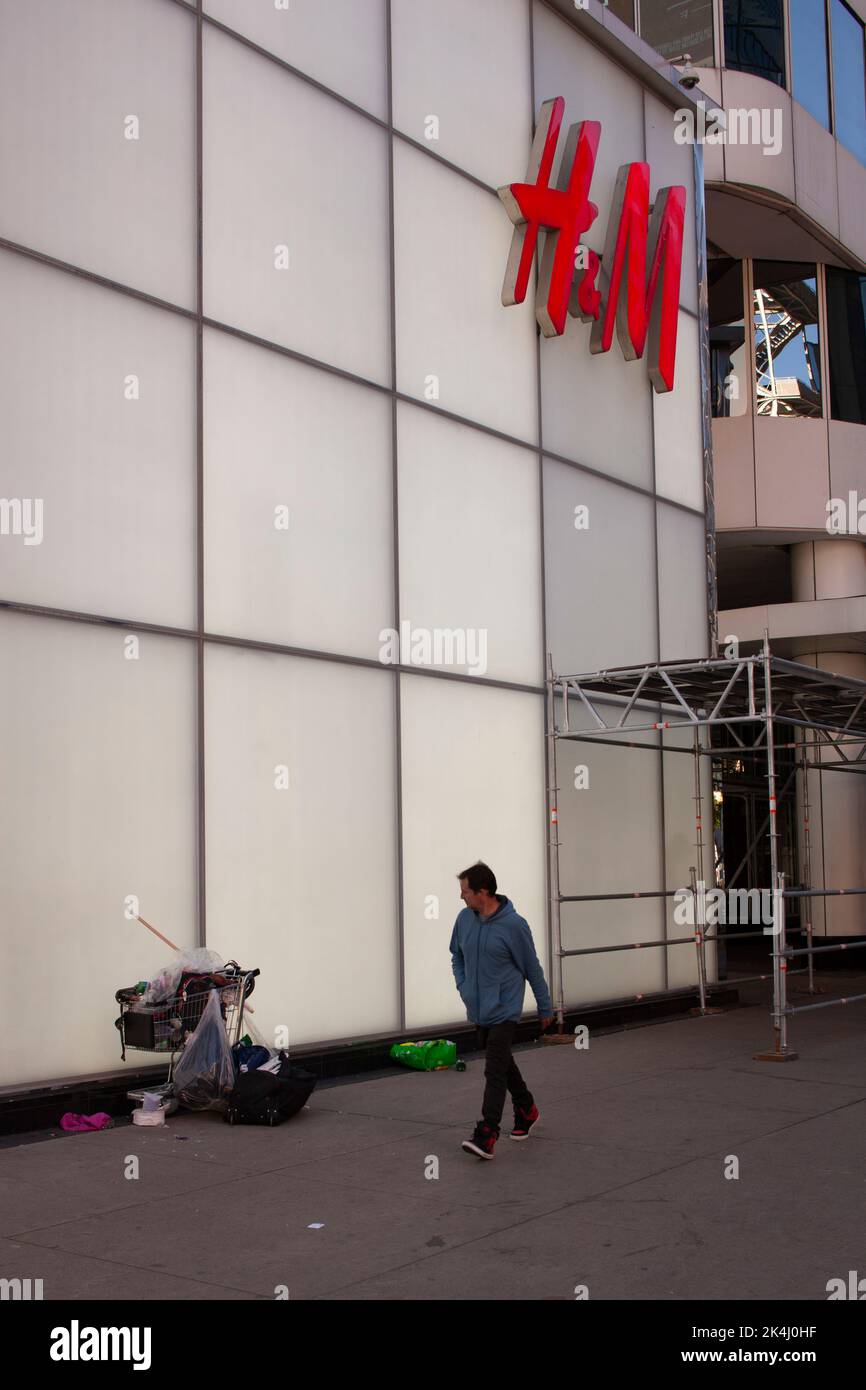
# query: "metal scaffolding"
827 712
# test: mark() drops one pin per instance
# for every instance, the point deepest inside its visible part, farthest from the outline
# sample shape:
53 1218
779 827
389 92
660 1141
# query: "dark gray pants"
501 1073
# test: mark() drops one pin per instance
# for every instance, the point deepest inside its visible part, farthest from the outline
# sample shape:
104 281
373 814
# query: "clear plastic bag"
198 959
163 985
205 1076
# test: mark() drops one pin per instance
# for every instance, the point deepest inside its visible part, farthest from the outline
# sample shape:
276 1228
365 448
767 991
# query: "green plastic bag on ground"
425 1055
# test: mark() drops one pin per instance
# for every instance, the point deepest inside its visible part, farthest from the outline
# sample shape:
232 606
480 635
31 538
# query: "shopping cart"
165 1026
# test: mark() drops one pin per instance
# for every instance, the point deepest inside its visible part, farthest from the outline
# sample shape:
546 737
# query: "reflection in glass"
624 10
754 38
787 364
810 75
729 381
679 26
849 86
846 344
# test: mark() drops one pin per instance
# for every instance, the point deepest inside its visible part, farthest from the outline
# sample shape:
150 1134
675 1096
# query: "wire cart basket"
166 1025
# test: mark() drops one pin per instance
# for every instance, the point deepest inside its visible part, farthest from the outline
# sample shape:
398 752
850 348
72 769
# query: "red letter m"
646 308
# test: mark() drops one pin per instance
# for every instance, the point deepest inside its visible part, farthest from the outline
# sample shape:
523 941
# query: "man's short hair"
480 878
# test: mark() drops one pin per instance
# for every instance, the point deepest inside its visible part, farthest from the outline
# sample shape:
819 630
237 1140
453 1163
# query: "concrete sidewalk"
620 1188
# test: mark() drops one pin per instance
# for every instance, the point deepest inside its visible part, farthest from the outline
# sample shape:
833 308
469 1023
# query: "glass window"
729 382
787 364
809 71
679 26
624 10
846 343
849 85
754 38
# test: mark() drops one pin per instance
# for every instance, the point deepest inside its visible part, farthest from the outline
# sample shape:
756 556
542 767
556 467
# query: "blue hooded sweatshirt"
493 958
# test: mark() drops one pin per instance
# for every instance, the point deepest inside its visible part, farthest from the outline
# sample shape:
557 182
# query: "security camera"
689 77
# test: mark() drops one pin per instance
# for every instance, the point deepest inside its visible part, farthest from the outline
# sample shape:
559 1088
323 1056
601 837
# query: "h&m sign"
619 288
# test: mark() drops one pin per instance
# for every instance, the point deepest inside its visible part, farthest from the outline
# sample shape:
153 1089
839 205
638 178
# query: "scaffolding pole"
807 864
829 709
553 851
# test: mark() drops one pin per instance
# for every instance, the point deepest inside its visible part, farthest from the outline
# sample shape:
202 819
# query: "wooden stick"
158 933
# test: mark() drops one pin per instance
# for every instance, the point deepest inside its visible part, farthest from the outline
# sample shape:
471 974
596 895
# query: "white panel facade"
301 855
298 544
601 604
684 631
97 150
473 788
97 399
596 408
679 460
470 101
99 746
295 213
456 346
470 553
341 43
596 781
612 975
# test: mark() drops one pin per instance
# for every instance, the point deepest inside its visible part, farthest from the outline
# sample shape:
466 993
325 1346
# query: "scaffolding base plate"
775 1056
551 1039
698 1012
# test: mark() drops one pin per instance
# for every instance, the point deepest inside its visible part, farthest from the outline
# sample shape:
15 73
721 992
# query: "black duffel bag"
268 1098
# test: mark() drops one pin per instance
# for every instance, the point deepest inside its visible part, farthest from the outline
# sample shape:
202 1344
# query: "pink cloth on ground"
80 1124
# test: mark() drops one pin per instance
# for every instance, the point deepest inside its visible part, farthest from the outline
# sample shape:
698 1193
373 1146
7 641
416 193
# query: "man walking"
493 957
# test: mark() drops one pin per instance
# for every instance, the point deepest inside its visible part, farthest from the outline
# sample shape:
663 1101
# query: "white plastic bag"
205 1076
200 959
164 985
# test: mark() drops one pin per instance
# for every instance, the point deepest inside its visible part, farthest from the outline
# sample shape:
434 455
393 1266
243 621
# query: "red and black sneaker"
523 1121
482 1141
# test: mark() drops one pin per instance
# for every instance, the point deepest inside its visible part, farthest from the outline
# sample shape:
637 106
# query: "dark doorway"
742 849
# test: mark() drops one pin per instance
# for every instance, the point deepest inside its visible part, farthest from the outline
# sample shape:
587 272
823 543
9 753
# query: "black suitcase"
268 1098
